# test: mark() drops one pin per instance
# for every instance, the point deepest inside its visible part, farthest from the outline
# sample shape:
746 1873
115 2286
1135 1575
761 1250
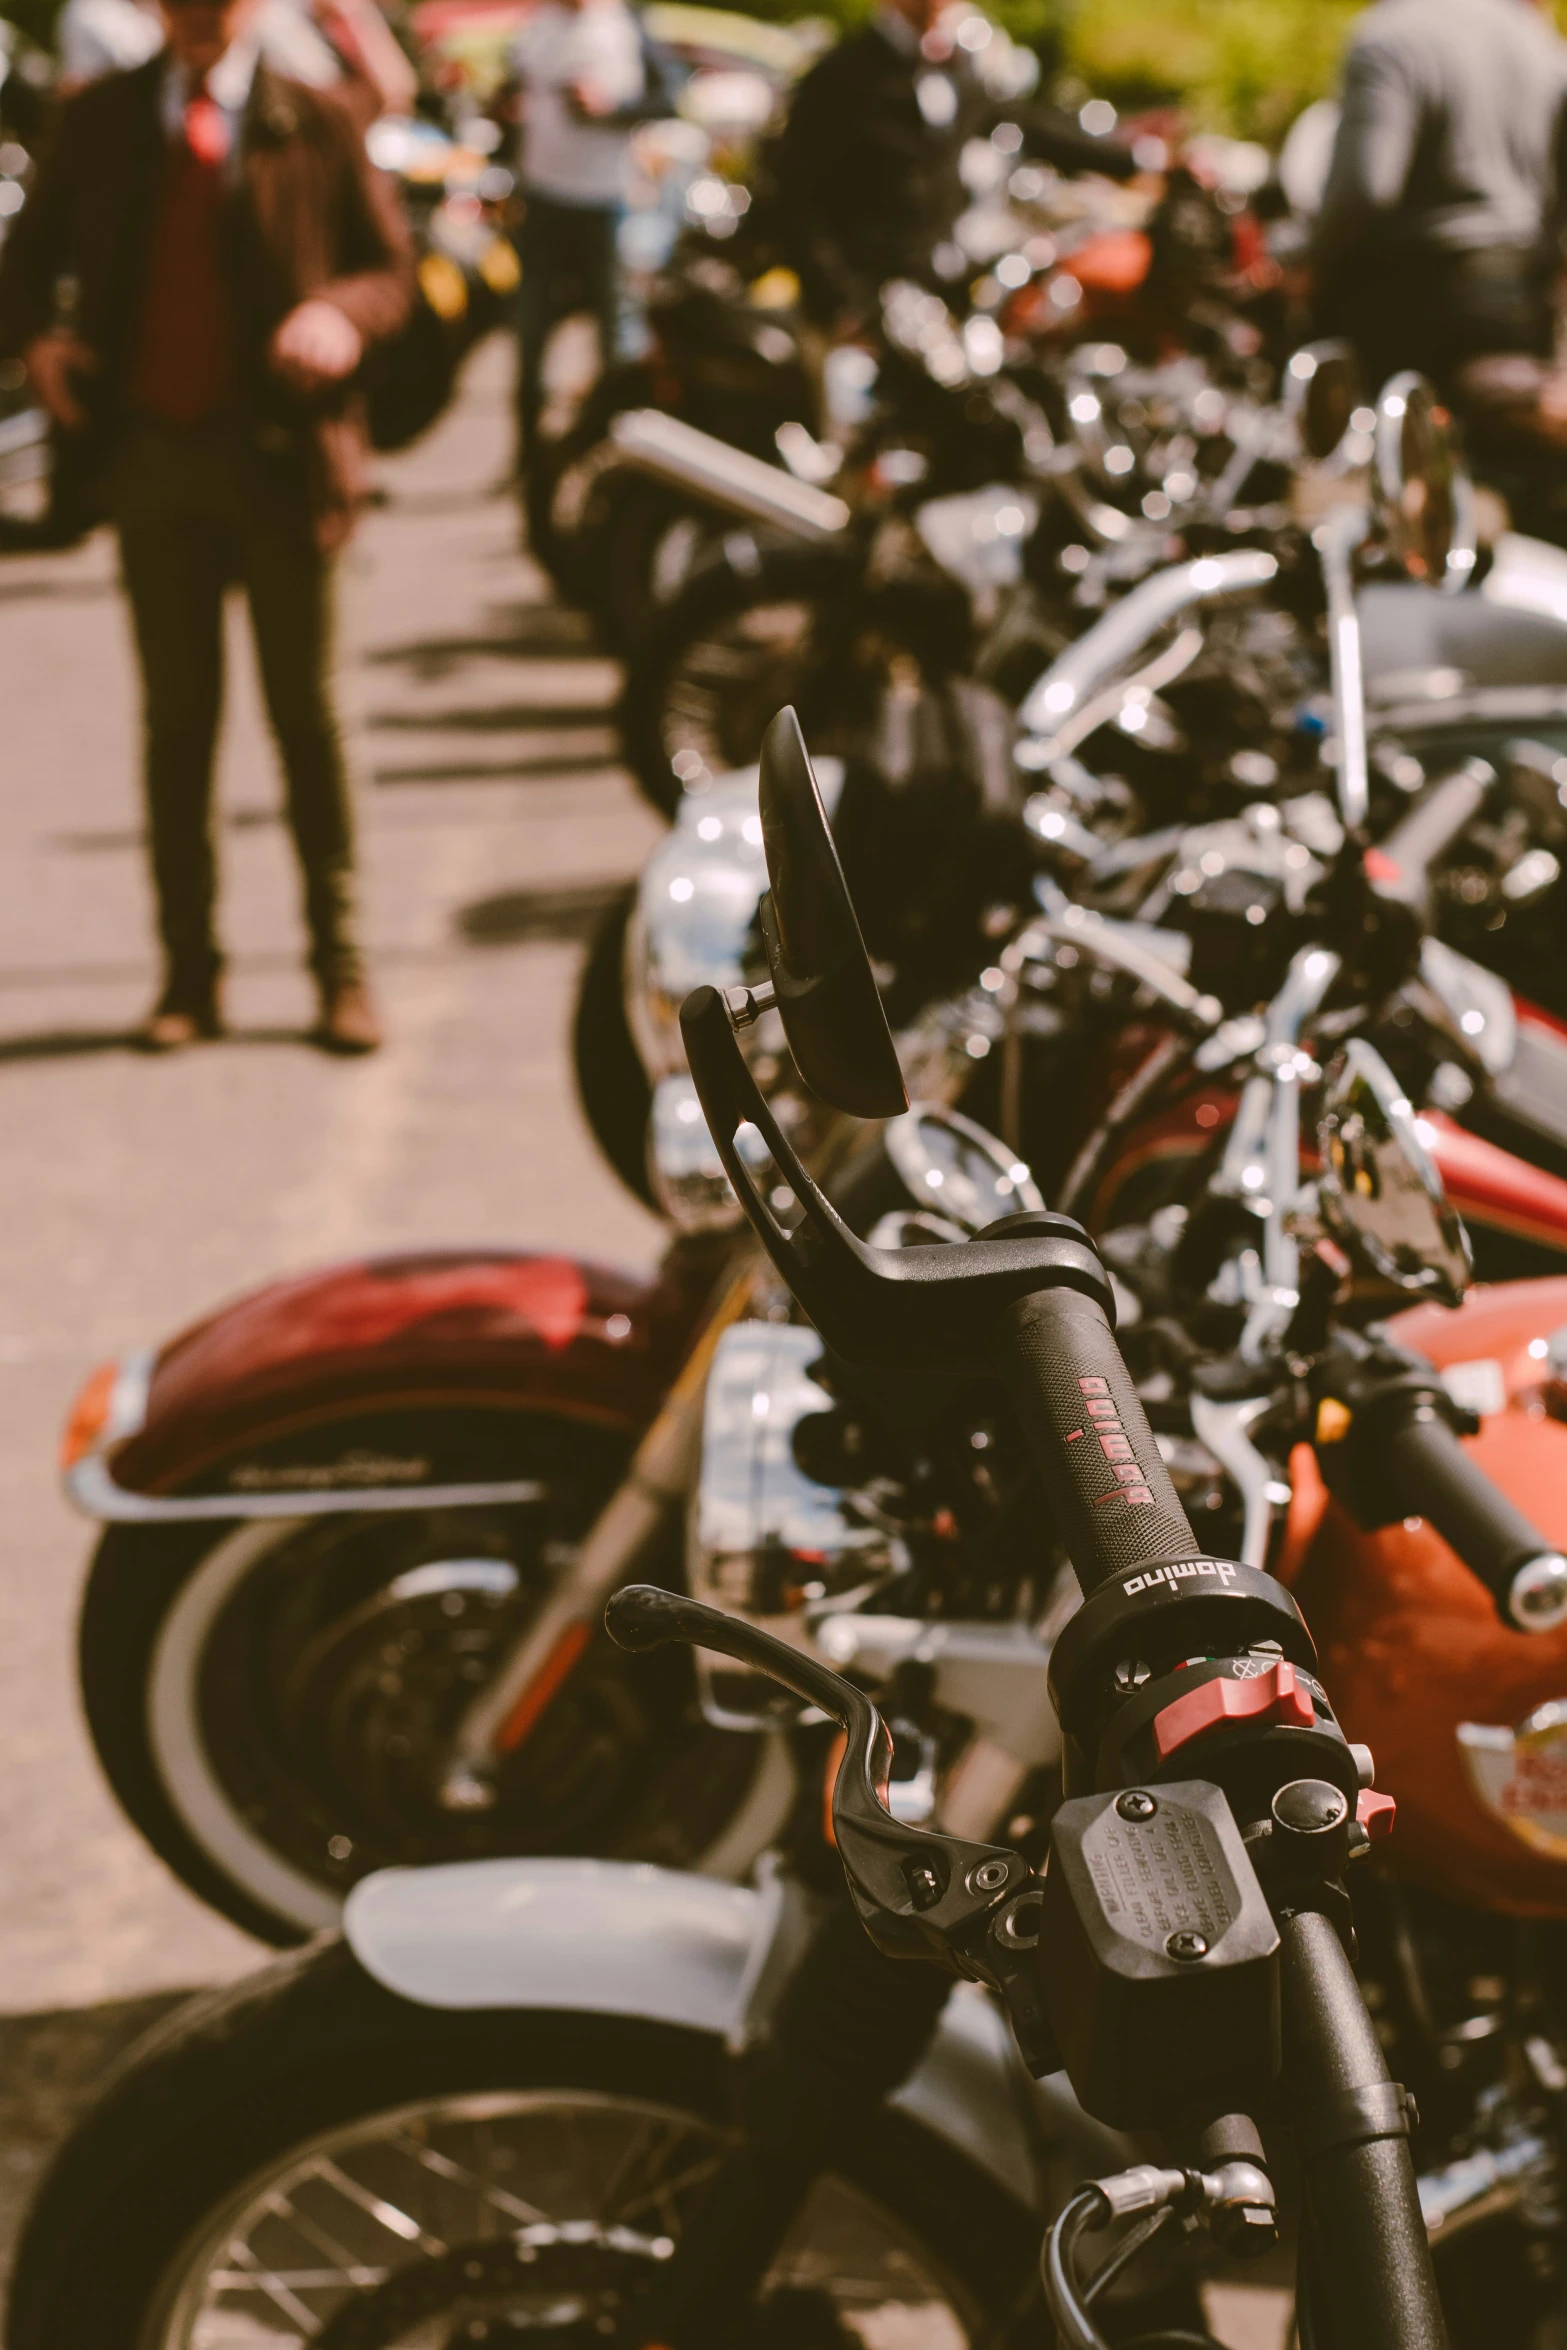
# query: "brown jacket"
309 216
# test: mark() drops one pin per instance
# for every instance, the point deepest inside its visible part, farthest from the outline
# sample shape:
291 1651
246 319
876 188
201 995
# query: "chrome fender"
606 1937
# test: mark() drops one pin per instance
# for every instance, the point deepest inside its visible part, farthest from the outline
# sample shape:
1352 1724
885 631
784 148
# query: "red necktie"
206 130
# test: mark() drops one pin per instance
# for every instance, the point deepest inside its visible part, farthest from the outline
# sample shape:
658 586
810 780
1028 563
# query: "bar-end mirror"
1424 496
1379 1192
823 985
1322 395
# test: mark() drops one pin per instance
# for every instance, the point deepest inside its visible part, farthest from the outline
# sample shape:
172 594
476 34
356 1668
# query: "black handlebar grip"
1427 1473
1107 1484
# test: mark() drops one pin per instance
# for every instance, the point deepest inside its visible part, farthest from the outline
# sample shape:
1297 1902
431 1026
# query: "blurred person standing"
95 37
582 70
867 177
866 172
233 256
322 42
1434 242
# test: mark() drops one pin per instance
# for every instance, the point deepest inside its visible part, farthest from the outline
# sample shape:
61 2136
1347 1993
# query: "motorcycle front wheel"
274 1701
305 2158
612 1084
759 627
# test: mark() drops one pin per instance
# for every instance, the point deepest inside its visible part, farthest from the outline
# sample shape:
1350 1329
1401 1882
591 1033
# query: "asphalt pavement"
135 1194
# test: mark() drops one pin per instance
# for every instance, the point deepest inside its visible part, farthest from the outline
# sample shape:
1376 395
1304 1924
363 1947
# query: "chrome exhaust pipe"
660 445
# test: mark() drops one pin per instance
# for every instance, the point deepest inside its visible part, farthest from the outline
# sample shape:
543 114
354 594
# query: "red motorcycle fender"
388 1342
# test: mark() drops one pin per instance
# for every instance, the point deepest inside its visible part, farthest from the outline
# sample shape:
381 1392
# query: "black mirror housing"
822 980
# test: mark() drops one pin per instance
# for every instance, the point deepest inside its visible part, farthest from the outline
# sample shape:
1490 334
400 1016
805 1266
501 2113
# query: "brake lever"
971 1909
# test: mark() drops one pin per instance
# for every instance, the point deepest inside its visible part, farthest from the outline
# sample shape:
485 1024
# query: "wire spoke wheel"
529 2216
278 1706
725 689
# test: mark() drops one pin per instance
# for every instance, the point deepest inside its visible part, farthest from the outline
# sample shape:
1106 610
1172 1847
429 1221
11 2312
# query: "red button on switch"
1273 1696
1376 1813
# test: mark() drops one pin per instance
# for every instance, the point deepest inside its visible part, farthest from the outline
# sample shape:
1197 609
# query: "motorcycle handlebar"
1429 1475
1100 1466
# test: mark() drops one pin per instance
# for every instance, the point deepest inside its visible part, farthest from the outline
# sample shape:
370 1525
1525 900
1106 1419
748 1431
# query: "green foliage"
1245 66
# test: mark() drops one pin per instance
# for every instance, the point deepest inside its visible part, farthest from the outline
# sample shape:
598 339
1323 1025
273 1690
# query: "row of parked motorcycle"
1236 937
1194 740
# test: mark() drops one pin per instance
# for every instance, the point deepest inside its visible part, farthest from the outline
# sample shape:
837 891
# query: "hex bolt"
1187 1944
1129 1674
1136 1804
1017 1928
989 1876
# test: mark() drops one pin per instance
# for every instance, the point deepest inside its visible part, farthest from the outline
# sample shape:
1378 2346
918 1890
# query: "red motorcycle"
331 1511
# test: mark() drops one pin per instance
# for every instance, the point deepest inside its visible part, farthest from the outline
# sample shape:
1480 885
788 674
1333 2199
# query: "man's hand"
316 345
51 361
590 100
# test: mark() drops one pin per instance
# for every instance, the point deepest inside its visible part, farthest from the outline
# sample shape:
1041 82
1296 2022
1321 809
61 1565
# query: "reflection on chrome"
767 1541
696 906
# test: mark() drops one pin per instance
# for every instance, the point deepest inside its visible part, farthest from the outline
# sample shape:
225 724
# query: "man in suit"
867 170
1437 243
233 256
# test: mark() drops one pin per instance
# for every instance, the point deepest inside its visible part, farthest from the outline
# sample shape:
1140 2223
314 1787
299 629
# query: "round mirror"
1380 1195
1322 394
1425 499
953 1168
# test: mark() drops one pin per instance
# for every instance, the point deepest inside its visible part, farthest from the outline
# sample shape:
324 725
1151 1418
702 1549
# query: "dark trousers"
199 507
1437 311
570 261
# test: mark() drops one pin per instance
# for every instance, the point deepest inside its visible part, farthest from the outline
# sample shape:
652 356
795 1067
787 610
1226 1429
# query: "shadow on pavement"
546 768
569 915
494 718
523 628
67 1044
88 844
51 2068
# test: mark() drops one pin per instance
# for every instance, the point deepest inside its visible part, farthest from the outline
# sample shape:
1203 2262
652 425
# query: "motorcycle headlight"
696 904
686 1171
978 536
953 1169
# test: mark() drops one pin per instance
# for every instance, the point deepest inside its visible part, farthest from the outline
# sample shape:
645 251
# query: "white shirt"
576 161
99 37
106 36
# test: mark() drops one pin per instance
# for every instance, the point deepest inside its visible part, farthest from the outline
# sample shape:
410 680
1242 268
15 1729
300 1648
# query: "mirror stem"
747 1004
1336 541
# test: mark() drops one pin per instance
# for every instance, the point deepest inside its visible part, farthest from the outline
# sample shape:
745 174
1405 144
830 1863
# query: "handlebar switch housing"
1158 1957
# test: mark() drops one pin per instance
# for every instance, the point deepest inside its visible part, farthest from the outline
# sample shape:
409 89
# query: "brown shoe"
348 1023
173 1024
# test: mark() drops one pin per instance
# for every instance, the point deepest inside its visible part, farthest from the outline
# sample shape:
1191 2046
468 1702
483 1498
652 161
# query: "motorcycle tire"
762 626
612 1085
647 525
272 1699
307 2153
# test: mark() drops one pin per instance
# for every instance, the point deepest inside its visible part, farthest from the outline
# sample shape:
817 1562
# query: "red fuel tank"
1466 1718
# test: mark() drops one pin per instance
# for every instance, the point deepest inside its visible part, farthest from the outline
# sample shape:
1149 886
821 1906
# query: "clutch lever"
971 1909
